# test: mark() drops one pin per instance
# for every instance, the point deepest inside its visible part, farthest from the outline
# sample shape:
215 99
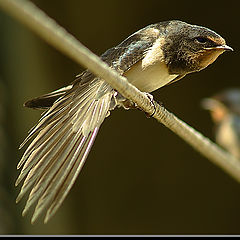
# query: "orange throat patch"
208 56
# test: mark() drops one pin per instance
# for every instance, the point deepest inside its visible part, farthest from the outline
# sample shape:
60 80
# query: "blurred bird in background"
224 109
152 57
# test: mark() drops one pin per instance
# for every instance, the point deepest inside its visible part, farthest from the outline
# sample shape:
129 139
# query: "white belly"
150 78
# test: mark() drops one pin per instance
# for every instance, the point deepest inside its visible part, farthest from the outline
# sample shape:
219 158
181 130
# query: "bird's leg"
129 104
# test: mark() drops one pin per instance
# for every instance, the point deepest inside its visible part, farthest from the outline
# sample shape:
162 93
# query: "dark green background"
139 178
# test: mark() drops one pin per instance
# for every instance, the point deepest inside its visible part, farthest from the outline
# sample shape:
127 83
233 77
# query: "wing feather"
56 186
56 164
39 151
39 163
62 142
67 129
67 184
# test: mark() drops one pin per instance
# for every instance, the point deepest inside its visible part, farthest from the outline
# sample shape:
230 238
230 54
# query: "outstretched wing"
66 131
64 136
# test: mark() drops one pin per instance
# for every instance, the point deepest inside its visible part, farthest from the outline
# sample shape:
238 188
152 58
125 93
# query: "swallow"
224 109
150 58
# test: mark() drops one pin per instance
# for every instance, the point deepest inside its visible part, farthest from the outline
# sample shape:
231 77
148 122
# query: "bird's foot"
150 97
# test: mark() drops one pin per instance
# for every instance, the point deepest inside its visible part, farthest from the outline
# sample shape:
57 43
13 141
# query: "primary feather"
64 138
65 133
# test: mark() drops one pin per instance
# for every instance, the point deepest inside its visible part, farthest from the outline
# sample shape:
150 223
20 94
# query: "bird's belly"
150 78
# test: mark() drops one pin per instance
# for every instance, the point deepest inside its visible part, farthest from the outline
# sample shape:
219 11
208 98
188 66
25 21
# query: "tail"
64 137
47 100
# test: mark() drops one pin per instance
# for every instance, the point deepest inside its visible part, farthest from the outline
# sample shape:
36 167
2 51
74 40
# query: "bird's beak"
225 47
221 47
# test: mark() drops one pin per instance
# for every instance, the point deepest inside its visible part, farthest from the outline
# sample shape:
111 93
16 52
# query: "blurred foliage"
139 178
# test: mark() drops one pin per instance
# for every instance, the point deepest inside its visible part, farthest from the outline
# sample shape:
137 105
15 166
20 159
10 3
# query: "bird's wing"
65 133
64 136
121 58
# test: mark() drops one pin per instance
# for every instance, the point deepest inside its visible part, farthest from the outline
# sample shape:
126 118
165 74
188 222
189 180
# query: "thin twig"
58 37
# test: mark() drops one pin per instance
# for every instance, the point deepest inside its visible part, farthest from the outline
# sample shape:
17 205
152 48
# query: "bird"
152 57
224 108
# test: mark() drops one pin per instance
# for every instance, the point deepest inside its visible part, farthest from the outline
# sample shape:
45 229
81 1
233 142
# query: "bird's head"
222 104
190 48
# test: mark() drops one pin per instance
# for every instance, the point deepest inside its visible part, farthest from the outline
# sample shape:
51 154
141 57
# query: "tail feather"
47 100
63 139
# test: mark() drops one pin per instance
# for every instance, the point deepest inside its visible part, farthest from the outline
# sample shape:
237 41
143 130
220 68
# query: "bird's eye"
201 39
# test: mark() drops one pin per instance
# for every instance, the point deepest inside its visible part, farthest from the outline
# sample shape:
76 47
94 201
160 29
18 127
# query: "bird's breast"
228 133
149 79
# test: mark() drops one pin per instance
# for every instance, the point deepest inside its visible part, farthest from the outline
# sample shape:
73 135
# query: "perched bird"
150 58
225 112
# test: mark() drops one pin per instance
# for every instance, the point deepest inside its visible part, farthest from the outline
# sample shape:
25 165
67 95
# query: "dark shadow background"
139 178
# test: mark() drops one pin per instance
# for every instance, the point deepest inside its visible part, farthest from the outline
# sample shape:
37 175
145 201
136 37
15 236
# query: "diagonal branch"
58 37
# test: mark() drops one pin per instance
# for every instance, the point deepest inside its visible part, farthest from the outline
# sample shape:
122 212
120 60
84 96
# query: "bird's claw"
150 97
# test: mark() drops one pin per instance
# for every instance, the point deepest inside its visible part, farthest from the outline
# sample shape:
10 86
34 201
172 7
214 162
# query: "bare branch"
55 35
